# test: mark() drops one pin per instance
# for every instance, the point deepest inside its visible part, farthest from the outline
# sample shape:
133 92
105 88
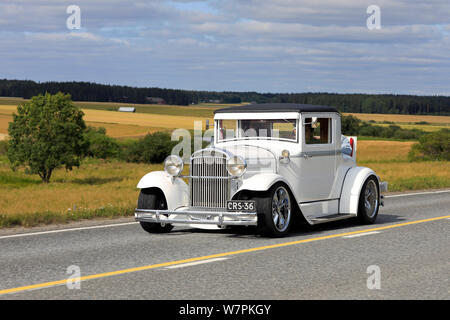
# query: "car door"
318 157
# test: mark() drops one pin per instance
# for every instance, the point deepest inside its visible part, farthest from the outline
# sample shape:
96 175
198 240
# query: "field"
121 124
389 159
151 118
108 188
421 122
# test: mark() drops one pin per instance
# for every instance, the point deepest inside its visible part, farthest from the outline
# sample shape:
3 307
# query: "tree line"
358 103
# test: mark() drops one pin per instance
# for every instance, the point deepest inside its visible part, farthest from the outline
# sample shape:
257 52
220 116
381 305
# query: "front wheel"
153 199
369 201
275 212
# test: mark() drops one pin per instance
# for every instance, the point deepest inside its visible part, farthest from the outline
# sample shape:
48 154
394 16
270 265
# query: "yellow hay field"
143 119
123 131
120 124
400 118
378 150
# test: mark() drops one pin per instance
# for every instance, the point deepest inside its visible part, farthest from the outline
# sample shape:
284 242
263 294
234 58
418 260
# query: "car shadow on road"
307 230
297 230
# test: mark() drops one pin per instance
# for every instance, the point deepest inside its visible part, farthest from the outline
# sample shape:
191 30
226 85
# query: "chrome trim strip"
310 154
210 177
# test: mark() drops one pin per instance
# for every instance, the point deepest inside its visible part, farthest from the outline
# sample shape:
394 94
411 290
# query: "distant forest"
365 103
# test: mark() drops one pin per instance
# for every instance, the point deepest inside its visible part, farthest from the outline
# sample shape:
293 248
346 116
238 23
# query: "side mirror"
313 123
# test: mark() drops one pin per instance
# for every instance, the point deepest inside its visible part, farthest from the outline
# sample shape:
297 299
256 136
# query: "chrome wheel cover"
281 209
371 199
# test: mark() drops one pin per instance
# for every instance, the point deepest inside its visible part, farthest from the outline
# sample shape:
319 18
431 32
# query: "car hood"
258 158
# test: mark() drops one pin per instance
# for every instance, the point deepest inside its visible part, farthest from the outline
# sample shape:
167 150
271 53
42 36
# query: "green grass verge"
419 183
49 217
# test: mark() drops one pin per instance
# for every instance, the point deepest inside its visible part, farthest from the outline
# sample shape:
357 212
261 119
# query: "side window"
320 133
226 129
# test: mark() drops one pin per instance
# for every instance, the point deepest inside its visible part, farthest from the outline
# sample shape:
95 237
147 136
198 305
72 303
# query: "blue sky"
232 45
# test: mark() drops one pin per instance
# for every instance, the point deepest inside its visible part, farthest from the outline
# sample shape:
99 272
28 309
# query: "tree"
46 133
432 146
153 148
99 145
350 125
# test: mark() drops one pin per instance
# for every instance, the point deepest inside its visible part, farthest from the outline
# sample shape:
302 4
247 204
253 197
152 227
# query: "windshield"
278 129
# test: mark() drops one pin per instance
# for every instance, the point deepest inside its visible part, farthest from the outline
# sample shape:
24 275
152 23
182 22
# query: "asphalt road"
408 247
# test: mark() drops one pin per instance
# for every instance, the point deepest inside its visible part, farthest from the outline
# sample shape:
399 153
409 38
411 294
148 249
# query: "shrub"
99 145
370 131
153 148
350 125
3 147
432 146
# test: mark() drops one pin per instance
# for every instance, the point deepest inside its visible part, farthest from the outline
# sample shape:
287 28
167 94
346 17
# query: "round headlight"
173 165
236 166
285 154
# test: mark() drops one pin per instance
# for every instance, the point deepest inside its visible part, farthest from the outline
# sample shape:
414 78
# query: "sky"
232 45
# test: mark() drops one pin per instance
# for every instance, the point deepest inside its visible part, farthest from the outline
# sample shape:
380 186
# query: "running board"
331 217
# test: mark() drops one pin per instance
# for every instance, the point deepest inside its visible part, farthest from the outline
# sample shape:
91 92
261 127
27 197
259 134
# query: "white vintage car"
268 165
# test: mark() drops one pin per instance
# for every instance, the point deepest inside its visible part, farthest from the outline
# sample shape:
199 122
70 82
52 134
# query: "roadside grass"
373 151
96 189
389 159
405 176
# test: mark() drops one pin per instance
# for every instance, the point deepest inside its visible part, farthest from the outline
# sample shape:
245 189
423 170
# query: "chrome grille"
209 182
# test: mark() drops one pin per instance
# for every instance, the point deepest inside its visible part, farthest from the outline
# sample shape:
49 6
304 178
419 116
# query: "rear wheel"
369 201
153 199
275 211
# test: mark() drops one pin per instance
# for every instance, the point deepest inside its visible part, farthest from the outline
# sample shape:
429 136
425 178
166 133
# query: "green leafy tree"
46 133
432 146
153 148
350 125
99 145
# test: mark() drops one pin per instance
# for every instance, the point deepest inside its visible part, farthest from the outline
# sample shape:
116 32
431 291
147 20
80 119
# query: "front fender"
175 190
351 189
262 182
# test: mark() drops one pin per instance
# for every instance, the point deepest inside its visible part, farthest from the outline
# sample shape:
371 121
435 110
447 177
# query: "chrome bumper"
190 216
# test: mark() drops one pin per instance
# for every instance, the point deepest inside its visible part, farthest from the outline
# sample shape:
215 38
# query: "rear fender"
351 189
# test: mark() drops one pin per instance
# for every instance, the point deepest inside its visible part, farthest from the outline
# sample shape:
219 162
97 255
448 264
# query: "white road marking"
416 193
195 263
361 234
65 230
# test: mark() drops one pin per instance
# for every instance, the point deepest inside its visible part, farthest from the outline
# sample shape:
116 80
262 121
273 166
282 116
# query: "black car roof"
277 107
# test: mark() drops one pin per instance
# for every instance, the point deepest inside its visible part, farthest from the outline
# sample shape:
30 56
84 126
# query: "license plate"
241 206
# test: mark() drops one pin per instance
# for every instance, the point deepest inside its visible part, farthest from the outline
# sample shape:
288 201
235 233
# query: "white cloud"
261 45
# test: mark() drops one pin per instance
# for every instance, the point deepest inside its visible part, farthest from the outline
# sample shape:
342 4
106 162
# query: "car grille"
209 182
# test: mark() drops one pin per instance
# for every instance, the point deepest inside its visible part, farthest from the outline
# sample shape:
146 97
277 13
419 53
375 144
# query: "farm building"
127 109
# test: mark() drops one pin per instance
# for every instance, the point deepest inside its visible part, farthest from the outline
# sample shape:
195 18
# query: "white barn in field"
127 109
